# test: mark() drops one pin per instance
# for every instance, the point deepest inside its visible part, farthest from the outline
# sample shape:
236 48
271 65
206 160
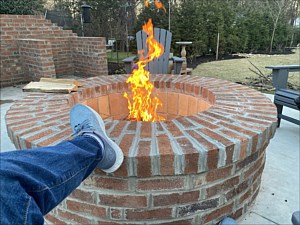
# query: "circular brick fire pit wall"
202 163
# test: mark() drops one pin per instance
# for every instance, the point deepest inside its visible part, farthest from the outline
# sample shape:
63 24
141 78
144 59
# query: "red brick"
215 136
54 220
177 222
136 201
217 213
18 118
238 129
166 155
242 187
244 197
221 187
243 142
173 128
255 166
35 137
143 159
93 103
191 155
62 135
247 161
172 103
204 122
83 195
126 143
23 126
35 128
115 214
185 123
86 208
117 130
183 105
196 207
251 120
237 213
74 217
175 198
192 105
146 130
217 174
160 184
218 116
155 214
107 183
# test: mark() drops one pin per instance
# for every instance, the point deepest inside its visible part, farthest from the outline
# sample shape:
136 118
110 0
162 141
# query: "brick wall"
36 58
89 55
16 27
194 169
62 55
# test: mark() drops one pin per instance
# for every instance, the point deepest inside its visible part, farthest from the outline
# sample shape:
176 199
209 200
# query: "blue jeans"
34 181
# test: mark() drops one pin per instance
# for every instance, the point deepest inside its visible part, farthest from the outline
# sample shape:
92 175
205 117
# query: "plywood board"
64 81
50 87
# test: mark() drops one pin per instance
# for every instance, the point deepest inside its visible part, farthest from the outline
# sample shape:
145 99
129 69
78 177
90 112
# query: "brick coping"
239 122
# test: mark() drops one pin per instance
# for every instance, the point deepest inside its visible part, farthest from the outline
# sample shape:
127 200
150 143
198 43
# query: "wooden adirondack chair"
160 65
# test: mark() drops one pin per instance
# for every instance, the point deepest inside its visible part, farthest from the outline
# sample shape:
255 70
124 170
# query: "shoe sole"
115 147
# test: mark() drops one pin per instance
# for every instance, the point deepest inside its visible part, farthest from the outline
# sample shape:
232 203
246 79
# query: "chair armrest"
291 68
177 59
129 59
177 64
128 63
280 74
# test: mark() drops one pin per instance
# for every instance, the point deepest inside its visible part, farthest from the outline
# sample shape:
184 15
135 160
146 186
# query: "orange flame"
157 3
143 105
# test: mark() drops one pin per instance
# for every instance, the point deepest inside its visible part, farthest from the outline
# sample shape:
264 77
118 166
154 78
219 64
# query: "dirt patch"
115 68
6 101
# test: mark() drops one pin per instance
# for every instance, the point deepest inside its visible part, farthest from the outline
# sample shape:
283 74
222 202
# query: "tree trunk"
273 33
218 43
292 39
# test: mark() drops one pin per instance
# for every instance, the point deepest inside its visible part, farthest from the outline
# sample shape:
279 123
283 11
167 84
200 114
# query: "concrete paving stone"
252 218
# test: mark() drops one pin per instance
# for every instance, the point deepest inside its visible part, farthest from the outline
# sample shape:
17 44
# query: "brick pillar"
89 56
37 58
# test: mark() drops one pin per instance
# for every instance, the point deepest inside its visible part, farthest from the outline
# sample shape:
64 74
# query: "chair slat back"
160 65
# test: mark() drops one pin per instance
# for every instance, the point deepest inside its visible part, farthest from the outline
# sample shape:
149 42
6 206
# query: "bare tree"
293 14
277 8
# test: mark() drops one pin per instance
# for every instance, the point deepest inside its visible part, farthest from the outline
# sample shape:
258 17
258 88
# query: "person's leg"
33 182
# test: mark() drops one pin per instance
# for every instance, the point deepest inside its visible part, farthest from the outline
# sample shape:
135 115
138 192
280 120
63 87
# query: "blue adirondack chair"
160 65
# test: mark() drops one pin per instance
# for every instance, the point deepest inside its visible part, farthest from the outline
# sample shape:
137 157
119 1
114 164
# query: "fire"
143 104
157 3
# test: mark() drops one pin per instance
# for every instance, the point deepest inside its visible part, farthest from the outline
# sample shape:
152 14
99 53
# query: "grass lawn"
117 56
237 70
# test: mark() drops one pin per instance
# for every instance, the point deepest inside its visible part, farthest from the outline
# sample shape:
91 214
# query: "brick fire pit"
202 163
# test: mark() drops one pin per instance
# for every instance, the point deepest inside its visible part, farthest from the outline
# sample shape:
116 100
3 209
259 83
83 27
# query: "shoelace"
85 125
